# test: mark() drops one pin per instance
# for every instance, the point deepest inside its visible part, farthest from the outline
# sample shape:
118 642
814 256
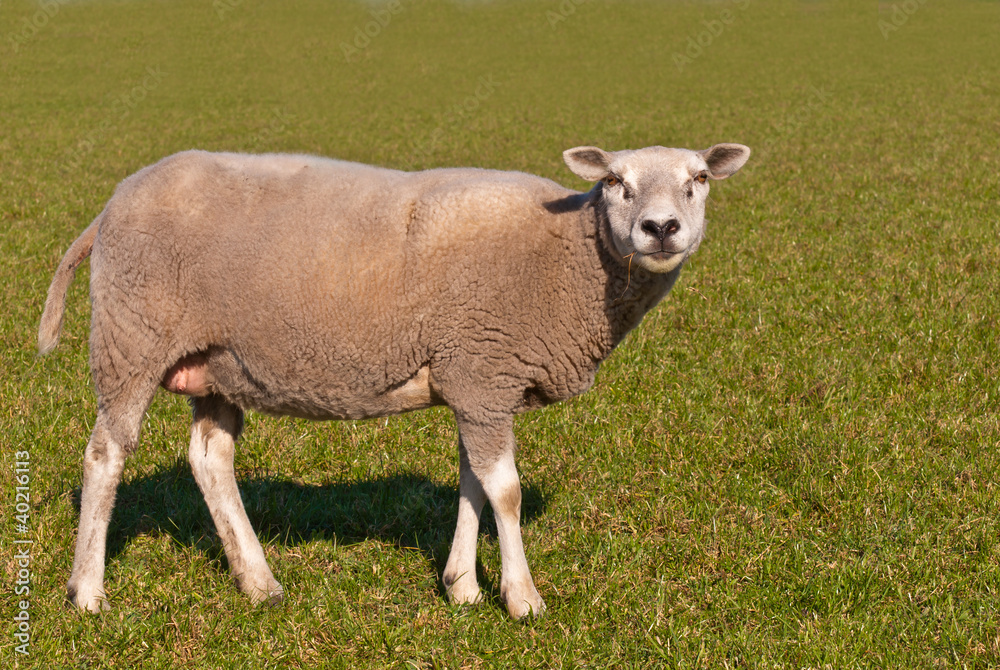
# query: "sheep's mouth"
660 261
660 251
663 254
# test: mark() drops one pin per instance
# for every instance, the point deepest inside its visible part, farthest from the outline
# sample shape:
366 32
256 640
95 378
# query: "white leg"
103 463
123 394
216 426
460 573
490 450
517 589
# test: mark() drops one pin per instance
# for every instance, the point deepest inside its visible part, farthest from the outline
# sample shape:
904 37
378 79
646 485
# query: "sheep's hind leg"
216 426
103 463
490 450
125 386
460 573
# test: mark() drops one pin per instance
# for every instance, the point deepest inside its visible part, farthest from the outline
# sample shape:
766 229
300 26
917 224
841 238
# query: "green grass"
792 463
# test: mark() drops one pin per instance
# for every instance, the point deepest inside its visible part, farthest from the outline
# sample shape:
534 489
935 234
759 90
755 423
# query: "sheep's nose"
661 229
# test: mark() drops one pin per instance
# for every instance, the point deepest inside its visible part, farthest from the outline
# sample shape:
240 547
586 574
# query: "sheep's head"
655 197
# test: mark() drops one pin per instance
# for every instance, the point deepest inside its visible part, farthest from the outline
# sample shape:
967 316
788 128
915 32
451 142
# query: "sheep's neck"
629 291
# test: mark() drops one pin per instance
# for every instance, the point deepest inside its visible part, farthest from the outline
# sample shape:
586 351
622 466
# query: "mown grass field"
792 463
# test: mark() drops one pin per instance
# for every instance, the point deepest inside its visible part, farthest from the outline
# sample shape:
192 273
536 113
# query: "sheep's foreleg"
460 573
490 453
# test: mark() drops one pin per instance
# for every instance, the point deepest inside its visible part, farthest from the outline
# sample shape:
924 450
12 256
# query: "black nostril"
653 228
661 230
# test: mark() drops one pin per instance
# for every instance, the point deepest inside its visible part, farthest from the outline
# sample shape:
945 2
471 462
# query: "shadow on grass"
408 510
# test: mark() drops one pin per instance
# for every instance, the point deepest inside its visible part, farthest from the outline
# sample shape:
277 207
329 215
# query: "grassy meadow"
792 462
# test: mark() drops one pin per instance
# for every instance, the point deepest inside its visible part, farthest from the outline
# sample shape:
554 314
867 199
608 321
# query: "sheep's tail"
55 303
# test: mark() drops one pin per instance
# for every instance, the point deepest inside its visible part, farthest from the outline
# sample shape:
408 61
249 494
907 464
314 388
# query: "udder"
189 376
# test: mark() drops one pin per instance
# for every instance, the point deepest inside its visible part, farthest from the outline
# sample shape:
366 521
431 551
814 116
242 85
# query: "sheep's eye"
611 180
702 177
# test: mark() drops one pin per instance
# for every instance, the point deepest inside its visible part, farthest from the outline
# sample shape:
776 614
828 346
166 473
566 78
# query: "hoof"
464 592
272 595
93 602
274 598
523 601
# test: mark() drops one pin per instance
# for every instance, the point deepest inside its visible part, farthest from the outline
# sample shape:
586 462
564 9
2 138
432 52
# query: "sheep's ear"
590 163
724 160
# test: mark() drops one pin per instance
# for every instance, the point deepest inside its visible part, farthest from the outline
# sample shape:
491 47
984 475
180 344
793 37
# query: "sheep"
312 287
